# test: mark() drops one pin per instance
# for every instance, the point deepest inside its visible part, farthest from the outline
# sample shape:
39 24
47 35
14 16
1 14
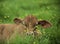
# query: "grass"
43 9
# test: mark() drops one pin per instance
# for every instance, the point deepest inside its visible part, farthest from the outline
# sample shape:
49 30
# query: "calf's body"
6 30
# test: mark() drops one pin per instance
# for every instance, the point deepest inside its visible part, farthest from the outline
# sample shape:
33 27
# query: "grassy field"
43 9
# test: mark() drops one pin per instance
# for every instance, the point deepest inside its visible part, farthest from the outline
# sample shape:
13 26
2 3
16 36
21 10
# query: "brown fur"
9 29
30 20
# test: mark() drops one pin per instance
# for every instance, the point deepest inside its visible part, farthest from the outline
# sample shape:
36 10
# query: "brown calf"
28 24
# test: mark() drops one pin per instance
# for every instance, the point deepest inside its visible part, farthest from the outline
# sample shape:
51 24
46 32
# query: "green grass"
43 9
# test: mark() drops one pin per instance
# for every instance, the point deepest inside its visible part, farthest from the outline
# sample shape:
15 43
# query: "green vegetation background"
42 9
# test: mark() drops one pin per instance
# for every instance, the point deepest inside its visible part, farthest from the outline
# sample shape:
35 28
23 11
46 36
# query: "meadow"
43 9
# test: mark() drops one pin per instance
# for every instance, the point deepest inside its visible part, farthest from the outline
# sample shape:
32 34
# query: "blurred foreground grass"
42 9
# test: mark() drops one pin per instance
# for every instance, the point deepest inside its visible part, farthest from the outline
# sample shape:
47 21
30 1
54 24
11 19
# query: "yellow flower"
39 32
25 30
34 42
8 16
39 19
36 26
5 16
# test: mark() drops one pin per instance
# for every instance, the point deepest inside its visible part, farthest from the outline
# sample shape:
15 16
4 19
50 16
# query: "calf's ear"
44 23
17 20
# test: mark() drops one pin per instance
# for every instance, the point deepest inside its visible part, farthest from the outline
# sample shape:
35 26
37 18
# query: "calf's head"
31 22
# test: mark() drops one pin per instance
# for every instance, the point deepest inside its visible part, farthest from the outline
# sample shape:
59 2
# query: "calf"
25 26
